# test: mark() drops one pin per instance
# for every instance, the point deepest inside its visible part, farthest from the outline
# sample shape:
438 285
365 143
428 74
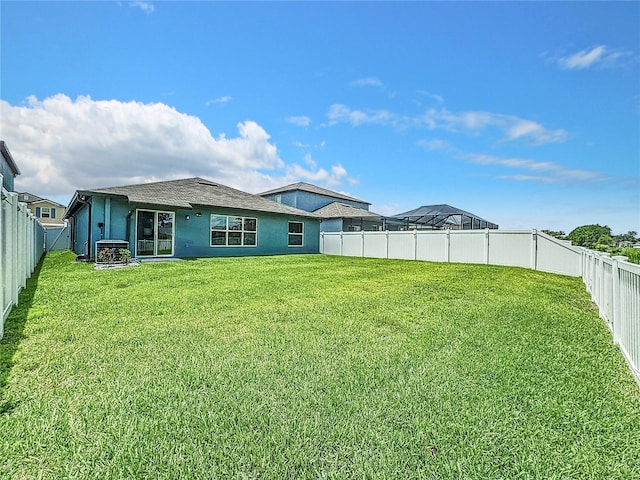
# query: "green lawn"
312 366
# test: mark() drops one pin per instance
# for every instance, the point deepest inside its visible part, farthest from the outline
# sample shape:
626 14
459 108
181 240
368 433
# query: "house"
49 213
339 212
8 168
191 217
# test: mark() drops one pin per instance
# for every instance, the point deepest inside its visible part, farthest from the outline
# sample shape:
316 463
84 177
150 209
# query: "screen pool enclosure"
437 217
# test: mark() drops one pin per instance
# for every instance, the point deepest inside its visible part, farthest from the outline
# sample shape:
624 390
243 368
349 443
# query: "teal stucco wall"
192 235
7 174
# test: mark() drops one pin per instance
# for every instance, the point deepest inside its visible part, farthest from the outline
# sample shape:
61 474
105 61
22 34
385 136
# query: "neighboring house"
191 217
8 168
339 212
49 213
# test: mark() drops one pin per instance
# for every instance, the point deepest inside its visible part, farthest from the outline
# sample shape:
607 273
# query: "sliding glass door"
154 233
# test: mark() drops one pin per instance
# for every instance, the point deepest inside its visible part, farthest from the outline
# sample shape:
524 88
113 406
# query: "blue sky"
527 114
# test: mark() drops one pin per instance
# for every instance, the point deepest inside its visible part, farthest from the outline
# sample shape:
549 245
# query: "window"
296 234
279 198
45 212
229 231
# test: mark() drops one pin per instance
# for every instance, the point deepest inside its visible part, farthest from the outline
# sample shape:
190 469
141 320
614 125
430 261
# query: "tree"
630 236
559 234
589 236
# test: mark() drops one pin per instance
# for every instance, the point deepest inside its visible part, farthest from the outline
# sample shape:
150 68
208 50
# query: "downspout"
128 228
88 202
107 218
84 201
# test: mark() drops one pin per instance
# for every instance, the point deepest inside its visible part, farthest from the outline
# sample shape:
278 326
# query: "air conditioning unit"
108 251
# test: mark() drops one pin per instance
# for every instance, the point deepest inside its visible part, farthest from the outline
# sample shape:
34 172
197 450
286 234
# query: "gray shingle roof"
342 210
193 192
307 187
29 197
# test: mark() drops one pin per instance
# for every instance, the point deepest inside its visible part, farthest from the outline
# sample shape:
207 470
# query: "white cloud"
300 121
434 144
512 127
306 146
547 172
62 145
529 170
598 56
223 99
308 159
339 113
434 96
331 178
366 82
470 123
146 7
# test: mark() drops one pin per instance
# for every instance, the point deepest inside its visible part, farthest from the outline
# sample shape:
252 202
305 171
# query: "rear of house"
191 217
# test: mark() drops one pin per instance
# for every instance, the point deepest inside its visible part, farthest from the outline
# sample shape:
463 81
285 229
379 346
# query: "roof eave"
9 158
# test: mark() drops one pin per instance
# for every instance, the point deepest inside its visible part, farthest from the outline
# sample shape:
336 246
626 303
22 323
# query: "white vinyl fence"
614 284
529 249
615 288
58 238
22 246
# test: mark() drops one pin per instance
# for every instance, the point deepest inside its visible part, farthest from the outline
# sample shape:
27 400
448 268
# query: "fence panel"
58 238
402 245
510 248
432 247
22 244
352 244
627 321
467 246
331 244
556 256
375 245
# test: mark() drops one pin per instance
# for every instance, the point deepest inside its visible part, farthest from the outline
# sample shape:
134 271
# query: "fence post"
615 321
415 244
2 259
447 252
362 247
13 247
486 246
341 248
386 242
534 249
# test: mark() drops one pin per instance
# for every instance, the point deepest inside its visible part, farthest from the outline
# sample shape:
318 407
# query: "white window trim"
42 212
301 235
243 231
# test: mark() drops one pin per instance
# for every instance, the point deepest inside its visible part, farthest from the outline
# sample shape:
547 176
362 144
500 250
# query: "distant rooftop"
307 187
342 210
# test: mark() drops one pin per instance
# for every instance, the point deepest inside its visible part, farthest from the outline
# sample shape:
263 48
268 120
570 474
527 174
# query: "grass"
312 367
